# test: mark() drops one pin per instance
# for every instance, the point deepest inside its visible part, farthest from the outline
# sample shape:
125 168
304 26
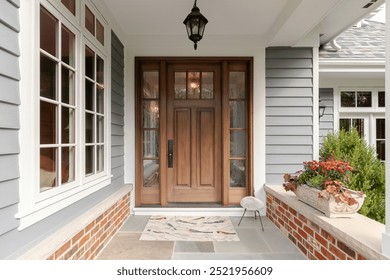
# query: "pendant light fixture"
195 23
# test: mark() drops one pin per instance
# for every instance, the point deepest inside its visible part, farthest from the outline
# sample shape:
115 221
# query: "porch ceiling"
278 22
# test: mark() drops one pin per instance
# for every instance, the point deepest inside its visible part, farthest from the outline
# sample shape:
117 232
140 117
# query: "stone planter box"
329 207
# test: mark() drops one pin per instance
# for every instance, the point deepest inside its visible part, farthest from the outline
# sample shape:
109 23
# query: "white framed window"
363 109
66 159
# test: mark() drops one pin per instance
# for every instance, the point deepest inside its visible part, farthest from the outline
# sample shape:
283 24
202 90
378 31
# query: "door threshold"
188 211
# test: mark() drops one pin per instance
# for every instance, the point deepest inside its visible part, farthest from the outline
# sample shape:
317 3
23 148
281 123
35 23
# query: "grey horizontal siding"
291 121
278 53
288 149
9 14
9 65
289 63
9 141
289 110
10 40
290 92
288 83
8 193
9 114
327 120
9 90
289 130
117 111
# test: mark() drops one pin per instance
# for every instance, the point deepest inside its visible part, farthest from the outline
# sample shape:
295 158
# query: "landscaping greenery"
368 174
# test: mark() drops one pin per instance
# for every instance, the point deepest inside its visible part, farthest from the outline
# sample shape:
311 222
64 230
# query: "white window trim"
35 206
369 114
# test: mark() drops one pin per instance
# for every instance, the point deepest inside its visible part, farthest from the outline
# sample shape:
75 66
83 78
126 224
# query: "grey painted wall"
9 114
327 121
289 111
14 243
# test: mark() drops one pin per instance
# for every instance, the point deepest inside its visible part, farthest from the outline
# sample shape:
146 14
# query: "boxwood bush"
368 174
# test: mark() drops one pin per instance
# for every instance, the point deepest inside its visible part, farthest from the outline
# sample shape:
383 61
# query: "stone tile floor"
254 244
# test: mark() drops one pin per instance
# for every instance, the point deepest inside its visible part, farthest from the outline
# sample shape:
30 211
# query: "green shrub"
368 174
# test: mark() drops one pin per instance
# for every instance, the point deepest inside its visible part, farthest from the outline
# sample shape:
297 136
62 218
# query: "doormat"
179 228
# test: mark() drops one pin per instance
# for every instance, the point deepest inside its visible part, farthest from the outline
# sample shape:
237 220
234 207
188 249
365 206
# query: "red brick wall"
88 242
311 240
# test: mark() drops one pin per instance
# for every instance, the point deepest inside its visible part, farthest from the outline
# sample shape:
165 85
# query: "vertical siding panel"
117 111
289 110
9 114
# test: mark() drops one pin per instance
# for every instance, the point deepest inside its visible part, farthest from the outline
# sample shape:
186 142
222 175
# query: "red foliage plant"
330 176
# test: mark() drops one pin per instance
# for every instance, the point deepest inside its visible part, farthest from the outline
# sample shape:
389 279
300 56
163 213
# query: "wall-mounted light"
195 23
322 108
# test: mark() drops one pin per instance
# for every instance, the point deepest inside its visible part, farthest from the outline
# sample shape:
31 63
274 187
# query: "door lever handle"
170 153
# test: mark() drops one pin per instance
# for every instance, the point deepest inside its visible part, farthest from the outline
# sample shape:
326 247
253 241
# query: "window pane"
345 124
237 114
380 149
89 130
89 63
237 85
48 78
237 173
180 85
48 168
237 143
89 159
100 129
359 125
68 46
48 32
100 71
68 125
48 123
89 95
380 129
71 5
364 99
151 84
100 158
68 165
193 87
100 32
68 86
151 174
150 114
100 100
207 85
348 99
151 144
381 97
89 21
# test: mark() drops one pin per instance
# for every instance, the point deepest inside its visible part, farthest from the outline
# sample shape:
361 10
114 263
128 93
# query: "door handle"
170 153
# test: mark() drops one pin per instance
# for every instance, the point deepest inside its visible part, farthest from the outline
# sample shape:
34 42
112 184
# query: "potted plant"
323 185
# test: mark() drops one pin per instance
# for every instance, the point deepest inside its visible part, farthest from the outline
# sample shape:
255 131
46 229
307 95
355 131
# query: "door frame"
229 195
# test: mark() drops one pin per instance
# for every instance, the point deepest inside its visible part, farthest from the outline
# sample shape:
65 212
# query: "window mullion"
59 91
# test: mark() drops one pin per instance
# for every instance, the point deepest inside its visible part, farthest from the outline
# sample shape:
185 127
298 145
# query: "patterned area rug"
178 228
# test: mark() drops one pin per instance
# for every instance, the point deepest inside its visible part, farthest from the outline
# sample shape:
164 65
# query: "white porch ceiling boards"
277 22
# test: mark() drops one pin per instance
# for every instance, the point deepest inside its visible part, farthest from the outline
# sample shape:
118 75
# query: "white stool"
252 203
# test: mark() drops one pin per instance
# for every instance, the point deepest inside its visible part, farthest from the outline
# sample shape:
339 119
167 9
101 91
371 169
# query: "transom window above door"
194 85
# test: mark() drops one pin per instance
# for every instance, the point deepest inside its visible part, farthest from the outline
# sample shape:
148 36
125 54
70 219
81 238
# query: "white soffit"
278 22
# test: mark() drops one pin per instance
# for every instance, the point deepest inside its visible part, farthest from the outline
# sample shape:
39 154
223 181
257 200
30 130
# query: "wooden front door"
194 133
193 126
